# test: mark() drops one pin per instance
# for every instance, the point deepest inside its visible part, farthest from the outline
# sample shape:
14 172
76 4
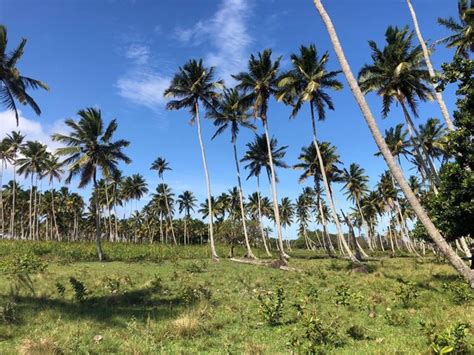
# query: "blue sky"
120 55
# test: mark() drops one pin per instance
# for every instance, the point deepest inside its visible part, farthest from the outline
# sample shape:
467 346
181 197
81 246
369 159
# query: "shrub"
80 290
345 296
271 306
395 319
316 336
452 339
356 332
8 313
192 294
460 291
407 294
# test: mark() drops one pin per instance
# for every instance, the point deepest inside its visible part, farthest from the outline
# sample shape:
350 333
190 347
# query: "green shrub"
313 336
395 318
192 294
460 291
346 297
452 339
80 290
271 306
407 294
356 332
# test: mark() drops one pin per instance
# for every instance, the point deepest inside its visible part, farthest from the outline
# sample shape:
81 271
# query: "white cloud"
143 87
138 53
228 34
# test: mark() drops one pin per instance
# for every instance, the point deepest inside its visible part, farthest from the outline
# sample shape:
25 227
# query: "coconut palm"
186 203
161 165
394 168
398 73
89 148
14 86
308 81
257 157
355 185
254 205
193 85
397 142
433 136
259 84
53 170
463 37
4 157
14 141
426 55
232 111
287 213
32 163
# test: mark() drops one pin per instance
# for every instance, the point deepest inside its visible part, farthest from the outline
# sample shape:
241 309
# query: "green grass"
193 305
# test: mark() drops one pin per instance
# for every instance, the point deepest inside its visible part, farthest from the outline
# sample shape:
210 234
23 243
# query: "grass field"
193 305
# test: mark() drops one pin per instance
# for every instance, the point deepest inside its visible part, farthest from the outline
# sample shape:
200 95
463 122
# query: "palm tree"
310 164
186 203
287 210
426 55
193 85
397 142
53 170
399 73
432 136
307 82
395 170
14 142
254 205
463 37
161 165
355 183
89 148
32 163
137 187
259 84
13 85
257 157
233 112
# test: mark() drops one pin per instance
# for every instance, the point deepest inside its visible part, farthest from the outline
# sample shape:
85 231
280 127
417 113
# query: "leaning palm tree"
260 84
4 158
426 55
186 203
161 165
232 111
14 86
463 37
398 73
193 85
395 170
307 82
355 184
53 170
89 148
14 141
32 163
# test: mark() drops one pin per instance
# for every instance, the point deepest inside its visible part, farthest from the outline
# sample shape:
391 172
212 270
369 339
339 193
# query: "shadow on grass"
114 310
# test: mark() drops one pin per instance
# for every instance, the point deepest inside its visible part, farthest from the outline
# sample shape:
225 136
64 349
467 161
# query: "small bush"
407 294
186 325
196 268
395 319
452 339
271 306
8 313
192 294
356 332
80 290
346 297
460 291
315 337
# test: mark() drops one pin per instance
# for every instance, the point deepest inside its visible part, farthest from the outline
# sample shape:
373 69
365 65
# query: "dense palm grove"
37 204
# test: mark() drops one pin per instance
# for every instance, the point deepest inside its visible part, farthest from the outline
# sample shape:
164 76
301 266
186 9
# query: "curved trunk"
332 206
283 255
170 218
438 95
241 201
260 221
444 247
330 248
208 184
364 223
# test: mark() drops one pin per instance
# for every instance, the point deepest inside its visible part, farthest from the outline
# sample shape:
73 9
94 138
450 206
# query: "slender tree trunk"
30 210
54 212
208 183
283 256
98 243
331 249
332 206
1 199
13 212
455 260
170 218
109 210
364 223
241 201
426 54
260 220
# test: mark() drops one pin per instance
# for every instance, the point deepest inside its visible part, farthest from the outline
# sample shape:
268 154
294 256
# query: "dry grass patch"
187 325
44 346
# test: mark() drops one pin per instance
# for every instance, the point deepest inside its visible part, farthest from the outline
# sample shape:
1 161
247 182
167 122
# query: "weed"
395 318
315 336
407 294
271 306
8 313
452 339
460 291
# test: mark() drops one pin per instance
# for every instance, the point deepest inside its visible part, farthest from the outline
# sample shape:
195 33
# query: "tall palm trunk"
438 95
1 200
30 209
170 218
241 201
276 210
13 212
444 247
364 223
98 243
260 221
208 184
54 212
332 206
330 248
109 210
